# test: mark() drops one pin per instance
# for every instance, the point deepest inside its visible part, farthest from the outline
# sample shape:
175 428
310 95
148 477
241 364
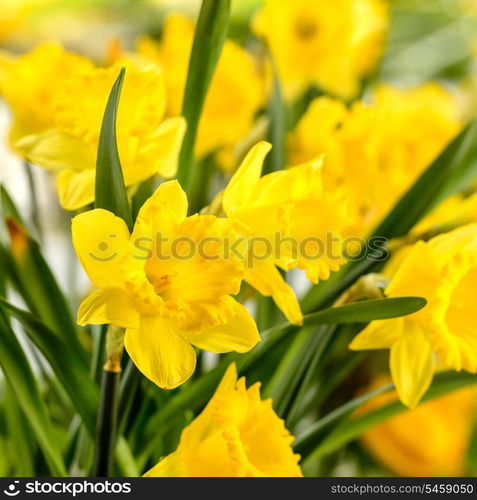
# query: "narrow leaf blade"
209 38
17 371
110 189
68 367
366 311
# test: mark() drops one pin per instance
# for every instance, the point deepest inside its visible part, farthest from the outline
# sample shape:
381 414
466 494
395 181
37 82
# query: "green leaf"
17 371
209 39
307 349
30 274
124 459
70 369
365 311
314 445
292 368
110 190
361 312
276 109
8 206
19 435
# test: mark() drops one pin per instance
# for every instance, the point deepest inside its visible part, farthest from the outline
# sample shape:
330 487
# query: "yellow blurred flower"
237 435
455 211
67 141
234 96
444 271
30 84
444 424
376 151
289 210
329 44
13 14
166 298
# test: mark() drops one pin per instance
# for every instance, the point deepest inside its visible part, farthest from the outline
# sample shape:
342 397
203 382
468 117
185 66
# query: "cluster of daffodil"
303 151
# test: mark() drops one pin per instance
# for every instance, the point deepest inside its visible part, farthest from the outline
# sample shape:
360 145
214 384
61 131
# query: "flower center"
160 284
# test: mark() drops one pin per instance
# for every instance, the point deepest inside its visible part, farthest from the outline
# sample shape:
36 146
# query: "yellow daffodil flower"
329 44
147 143
165 297
282 207
237 435
453 212
14 14
388 142
444 424
234 96
443 271
30 84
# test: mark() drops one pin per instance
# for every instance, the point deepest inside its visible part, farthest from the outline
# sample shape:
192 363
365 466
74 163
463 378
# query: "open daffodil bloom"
30 83
166 301
62 133
444 271
237 435
289 211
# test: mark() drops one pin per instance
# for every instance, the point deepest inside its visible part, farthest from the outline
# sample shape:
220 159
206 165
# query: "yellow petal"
100 238
381 334
239 189
412 364
171 466
75 188
459 240
160 352
419 274
266 278
164 210
56 150
111 306
293 184
160 154
239 334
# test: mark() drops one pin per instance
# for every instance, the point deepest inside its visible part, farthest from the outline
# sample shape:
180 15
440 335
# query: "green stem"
128 390
106 429
107 423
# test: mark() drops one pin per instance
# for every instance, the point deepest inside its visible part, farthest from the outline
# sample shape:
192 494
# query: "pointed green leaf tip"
367 310
110 189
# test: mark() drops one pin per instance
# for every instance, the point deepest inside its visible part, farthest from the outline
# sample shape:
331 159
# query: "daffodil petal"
56 150
166 208
100 238
239 334
381 334
171 466
75 188
266 278
160 352
237 193
295 183
161 153
109 306
412 364
412 275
